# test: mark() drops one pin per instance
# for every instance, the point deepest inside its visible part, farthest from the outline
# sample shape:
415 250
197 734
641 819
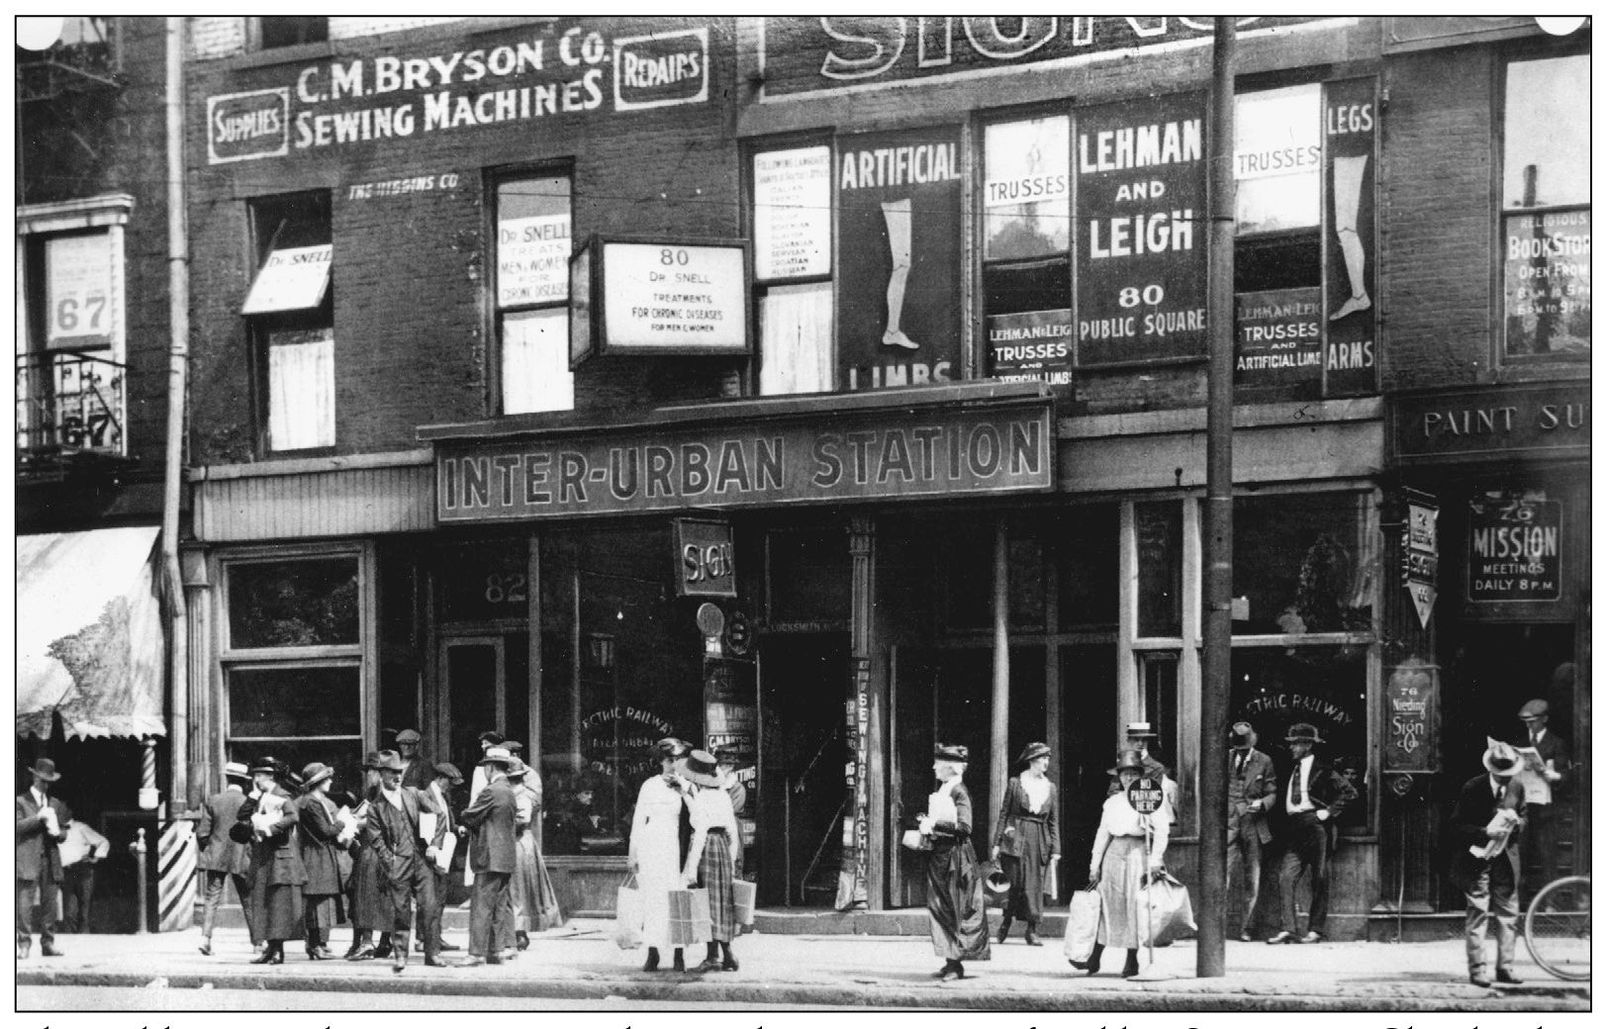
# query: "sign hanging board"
705 559
1412 718
654 297
1420 554
292 279
1515 549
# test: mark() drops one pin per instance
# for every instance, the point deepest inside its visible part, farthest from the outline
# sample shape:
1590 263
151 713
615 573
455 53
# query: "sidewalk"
581 962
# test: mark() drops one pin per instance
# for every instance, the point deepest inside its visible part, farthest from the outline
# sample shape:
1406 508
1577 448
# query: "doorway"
485 684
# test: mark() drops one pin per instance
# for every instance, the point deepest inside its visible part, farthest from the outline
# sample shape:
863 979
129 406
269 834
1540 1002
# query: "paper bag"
1171 913
689 917
628 915
427 826
443 858
1082 923
743 895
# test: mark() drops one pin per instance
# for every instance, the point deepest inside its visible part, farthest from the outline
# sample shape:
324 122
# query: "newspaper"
1533 777
443 858
1500 830
427 825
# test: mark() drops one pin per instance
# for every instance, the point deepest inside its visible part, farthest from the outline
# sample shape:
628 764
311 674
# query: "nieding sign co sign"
668 467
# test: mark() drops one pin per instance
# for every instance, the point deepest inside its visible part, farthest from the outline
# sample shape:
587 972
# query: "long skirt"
955 903
276 911
535 901
1122 874
370 909
323 912
715 875
1027 871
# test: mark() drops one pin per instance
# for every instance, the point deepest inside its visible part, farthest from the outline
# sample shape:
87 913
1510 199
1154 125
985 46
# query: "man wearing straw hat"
1488 815
222 859
1311 798
492 860
42 822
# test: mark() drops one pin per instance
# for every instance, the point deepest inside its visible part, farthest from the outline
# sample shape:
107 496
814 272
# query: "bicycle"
1557 927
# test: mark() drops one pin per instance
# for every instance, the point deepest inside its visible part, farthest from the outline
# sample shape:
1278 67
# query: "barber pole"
175 891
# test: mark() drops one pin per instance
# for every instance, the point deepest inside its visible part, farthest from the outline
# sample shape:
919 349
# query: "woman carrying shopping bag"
954 880
1027 842
658 848
1117 867
712 857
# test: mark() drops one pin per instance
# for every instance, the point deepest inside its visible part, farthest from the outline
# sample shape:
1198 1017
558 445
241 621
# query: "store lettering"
927 453
1487 420
1300 702
1140 146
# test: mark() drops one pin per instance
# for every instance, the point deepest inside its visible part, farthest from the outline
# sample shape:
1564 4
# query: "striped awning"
89 634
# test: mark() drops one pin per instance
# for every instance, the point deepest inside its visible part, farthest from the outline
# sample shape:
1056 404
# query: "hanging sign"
705 566
650 297
1412 718
1031 346
1420 553
1515 547
1278 337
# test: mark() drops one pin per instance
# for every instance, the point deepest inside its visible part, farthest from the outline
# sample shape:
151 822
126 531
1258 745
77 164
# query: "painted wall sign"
386 188
82 307
705 558
292 279
663 296
1420 553
793 213
854 873
1496 421
1546 275
1350 257
1141 216
1032 346
533 259
1515 547
807 55
1278 337
671 467
898 292
1412 718
562 68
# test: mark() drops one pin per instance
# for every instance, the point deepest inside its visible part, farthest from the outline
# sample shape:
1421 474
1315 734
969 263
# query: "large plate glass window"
792 227
532 275
1546 209
291 316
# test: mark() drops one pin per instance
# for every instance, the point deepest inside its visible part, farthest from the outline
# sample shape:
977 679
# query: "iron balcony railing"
69 402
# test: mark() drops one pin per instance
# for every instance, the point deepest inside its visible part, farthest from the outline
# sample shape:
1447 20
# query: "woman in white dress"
660 831
1117 866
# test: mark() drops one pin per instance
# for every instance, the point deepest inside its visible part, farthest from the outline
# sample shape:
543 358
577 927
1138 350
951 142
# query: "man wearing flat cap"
1310 799
1252 791
445 778
1489 813
490 819
417 770
222 859
42 823
1540 845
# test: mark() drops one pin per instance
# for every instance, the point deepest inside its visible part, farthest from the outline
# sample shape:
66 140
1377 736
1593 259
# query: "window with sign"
791 219
70 326
290 308
1546 209
532 293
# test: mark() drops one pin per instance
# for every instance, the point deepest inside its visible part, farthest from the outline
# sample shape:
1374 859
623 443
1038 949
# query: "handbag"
1082 924
689 917
915 839
1170 911
628 915
743 895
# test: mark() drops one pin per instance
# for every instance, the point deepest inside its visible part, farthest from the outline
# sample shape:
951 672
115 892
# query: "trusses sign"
565 68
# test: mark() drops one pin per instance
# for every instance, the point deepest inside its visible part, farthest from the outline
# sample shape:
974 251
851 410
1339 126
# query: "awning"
89 634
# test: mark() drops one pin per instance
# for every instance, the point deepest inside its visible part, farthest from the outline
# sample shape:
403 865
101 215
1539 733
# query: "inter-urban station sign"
1515 547
669 467
547 70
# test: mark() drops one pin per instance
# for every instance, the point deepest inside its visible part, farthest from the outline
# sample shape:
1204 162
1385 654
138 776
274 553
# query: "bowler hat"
1033 751
1534 709
314 774
1303 732
389 761
496 756
1241 734
701 768
951 752
236 770
1142 730
1127 760
1500 758
450 770
45 769
408 736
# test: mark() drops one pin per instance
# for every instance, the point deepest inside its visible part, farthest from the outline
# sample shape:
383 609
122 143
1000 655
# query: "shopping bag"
689 917
628 915
743 894
1170 912
1082 924
915 839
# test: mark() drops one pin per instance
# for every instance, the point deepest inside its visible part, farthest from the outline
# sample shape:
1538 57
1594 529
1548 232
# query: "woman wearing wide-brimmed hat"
713 856
536 906
658 848
955 906
1027 841
1118 869
321 893
277 873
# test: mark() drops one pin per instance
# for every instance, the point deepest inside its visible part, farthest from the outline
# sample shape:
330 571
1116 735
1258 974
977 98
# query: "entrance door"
803 684
485 683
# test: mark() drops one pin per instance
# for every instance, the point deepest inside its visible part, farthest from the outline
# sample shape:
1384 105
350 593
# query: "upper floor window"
1546 208
291 316
70 325
532 291
291 30
792 229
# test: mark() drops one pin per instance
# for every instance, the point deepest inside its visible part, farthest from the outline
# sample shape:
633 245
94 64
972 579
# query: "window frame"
258 30
492 182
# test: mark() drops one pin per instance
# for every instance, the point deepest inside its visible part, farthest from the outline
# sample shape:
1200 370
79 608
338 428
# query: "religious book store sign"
667 467
1514 547
1420 554
662 296
1032 346
1546 275
1141 251
1412 718
1278 337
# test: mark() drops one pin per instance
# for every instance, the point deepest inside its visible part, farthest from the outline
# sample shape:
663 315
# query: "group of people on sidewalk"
381 860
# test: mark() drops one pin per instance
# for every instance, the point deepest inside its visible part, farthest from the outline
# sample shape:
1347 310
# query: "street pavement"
581 964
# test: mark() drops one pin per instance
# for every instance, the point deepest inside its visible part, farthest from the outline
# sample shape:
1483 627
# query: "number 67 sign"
80 292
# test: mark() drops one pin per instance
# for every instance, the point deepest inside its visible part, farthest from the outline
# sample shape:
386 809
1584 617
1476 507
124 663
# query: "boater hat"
701 768
1500 758
496 756
45 769
1142 730
236 770
1033 750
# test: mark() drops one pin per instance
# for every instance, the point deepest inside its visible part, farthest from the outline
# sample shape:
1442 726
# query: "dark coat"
419 773
1326 787
1257 781
491 817
318 849
1016 806
1471 813
1552 748
276 858
218 852
38 852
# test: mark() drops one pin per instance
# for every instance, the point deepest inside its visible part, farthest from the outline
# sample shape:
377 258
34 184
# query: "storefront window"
1158 683
621 669
1160 529
1086 578
293 603
1302 564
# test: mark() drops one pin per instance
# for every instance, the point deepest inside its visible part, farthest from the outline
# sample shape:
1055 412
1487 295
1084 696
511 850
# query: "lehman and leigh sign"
872 455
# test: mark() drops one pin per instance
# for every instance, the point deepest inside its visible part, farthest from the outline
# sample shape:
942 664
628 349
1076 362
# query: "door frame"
445 643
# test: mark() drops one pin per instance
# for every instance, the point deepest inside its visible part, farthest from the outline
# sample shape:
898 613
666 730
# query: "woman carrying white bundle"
1117 866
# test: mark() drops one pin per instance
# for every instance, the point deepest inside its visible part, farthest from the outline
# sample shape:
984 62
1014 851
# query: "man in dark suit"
491 859
222 859
446 777
42 822
1312 798
406 854
1486 865
416 768
1252 790
1540 844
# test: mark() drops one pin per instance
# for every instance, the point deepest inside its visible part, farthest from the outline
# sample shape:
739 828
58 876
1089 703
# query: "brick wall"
214 36
356 28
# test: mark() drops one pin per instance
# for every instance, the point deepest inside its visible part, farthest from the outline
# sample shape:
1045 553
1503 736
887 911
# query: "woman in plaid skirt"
712 857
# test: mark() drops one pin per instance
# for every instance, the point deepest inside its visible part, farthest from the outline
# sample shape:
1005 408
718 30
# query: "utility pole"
1218 548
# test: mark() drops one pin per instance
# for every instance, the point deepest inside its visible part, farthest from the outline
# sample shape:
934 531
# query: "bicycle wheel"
1557 927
